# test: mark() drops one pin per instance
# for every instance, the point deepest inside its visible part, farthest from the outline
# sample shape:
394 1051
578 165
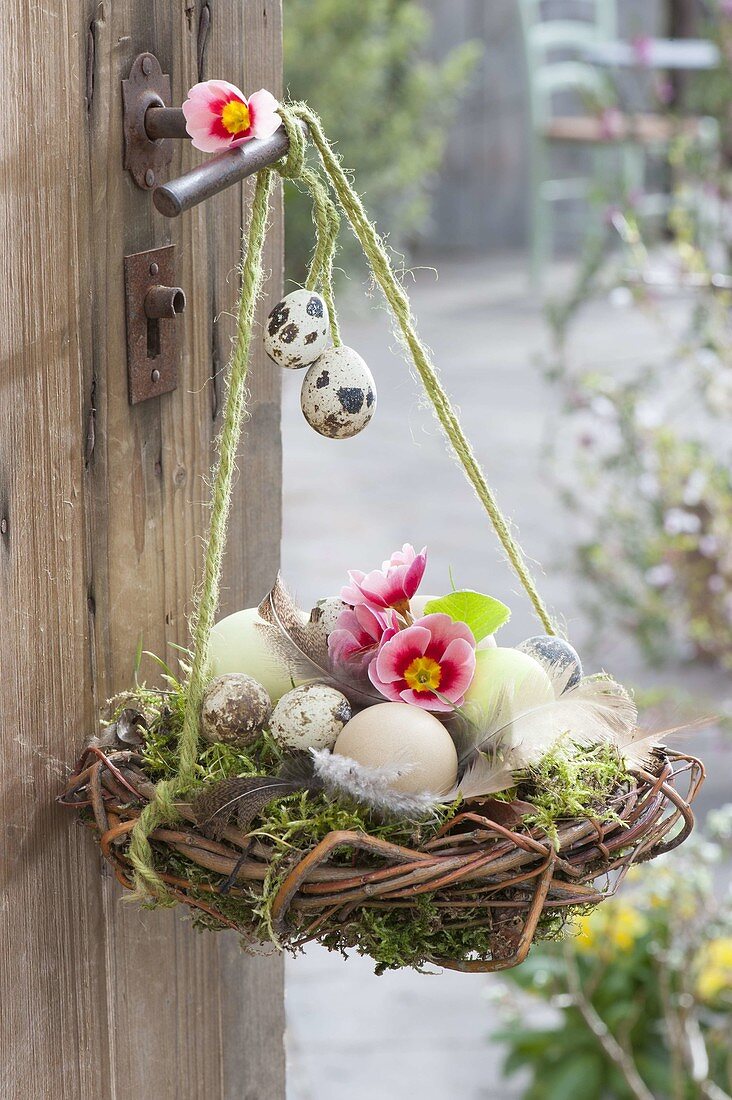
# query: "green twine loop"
162 808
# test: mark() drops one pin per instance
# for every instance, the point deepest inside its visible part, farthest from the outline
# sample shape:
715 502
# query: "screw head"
155 375
149 177
147 65
154 269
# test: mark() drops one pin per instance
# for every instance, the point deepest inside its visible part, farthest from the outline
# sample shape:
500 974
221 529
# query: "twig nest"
338 395
296 332
397 733
235 709
309 717
550 650
323 619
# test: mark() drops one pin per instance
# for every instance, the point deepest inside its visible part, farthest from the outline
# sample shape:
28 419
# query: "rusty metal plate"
152 344
147 86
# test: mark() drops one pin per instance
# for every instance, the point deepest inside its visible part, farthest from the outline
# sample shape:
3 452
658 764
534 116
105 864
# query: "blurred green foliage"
364 68
642 998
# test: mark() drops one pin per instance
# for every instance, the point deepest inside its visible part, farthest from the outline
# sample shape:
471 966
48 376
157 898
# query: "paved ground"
351 1035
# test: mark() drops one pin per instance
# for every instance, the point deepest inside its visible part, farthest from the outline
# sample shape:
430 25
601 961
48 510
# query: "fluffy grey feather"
523 725
371 787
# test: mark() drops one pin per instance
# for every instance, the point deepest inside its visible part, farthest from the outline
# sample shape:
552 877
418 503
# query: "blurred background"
553 181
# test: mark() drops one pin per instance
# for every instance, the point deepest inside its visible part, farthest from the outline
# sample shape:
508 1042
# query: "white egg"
338 395
398 733
235 708
309 717
297 329
238 645
501 668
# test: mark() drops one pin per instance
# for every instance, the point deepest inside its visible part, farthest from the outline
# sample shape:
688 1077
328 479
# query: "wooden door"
101 516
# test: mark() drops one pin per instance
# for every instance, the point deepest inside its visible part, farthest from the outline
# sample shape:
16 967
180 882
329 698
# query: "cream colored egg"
238 646
309 717
398 733
296 332
503 669
338 395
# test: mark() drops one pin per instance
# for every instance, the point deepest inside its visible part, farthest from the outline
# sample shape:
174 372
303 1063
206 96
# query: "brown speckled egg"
323 618
309 717
338 395
297 330
235 709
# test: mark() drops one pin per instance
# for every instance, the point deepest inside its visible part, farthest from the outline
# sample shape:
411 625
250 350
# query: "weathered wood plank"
101 517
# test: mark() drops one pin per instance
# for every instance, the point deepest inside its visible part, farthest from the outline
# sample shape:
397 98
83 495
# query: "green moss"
565 785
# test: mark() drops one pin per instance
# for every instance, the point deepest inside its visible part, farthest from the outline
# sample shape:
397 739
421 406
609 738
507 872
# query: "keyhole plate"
152 346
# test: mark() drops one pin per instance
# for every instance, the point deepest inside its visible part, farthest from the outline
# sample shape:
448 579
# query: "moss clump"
568 783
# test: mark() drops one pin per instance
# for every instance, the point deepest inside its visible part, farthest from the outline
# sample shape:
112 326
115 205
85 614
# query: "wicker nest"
510 875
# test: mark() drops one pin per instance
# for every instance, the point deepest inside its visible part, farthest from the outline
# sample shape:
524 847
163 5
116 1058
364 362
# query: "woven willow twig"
511 877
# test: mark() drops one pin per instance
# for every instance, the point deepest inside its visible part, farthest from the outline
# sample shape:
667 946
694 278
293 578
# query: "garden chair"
634 138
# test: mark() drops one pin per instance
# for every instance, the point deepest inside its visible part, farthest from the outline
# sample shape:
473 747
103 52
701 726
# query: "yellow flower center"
423 674
235 116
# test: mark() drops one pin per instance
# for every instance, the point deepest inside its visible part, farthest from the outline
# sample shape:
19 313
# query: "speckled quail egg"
549 650
235 708
297 329
338 394
323 619
309 717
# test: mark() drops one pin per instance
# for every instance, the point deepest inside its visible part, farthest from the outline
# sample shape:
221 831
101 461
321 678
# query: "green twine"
161 808
399 303
325 216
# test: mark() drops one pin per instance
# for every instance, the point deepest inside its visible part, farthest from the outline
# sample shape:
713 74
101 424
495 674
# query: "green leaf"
481 613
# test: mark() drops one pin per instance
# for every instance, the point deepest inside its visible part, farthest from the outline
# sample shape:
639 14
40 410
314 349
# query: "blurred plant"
710 92
365 68
649 455
642 998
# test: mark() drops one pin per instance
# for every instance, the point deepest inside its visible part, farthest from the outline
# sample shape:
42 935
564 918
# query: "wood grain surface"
102 511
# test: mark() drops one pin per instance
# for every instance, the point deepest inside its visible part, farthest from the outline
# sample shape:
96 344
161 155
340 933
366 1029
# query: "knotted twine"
326 220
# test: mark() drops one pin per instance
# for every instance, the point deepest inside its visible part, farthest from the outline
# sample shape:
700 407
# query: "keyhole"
153 337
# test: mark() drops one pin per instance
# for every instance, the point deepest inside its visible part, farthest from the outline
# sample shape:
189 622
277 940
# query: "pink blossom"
391 586
429 664
219 116
642 46
357 635
612 123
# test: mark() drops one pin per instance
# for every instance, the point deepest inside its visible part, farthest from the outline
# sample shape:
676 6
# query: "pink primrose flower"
219 116
357 635
429 664
391 586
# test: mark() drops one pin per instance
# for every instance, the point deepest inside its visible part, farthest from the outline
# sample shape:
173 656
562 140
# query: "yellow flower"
714 976
615 926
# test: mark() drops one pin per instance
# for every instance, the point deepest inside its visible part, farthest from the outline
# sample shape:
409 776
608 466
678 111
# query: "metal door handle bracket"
152 301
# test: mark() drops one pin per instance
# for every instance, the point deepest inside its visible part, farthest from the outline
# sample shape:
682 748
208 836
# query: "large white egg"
338 395
500 669
237 645
398 733
417 606
296 332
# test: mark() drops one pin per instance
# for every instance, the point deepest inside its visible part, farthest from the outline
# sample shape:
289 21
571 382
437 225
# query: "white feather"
523 725
371 786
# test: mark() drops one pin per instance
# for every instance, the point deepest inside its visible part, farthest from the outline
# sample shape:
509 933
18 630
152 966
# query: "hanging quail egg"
550 650
338 394
323 619
296 332
235 708
309 717
398 733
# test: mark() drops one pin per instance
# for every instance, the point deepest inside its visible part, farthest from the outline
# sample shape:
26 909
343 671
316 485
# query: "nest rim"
517 870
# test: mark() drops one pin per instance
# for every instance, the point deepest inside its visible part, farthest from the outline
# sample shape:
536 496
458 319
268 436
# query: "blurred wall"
481 195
